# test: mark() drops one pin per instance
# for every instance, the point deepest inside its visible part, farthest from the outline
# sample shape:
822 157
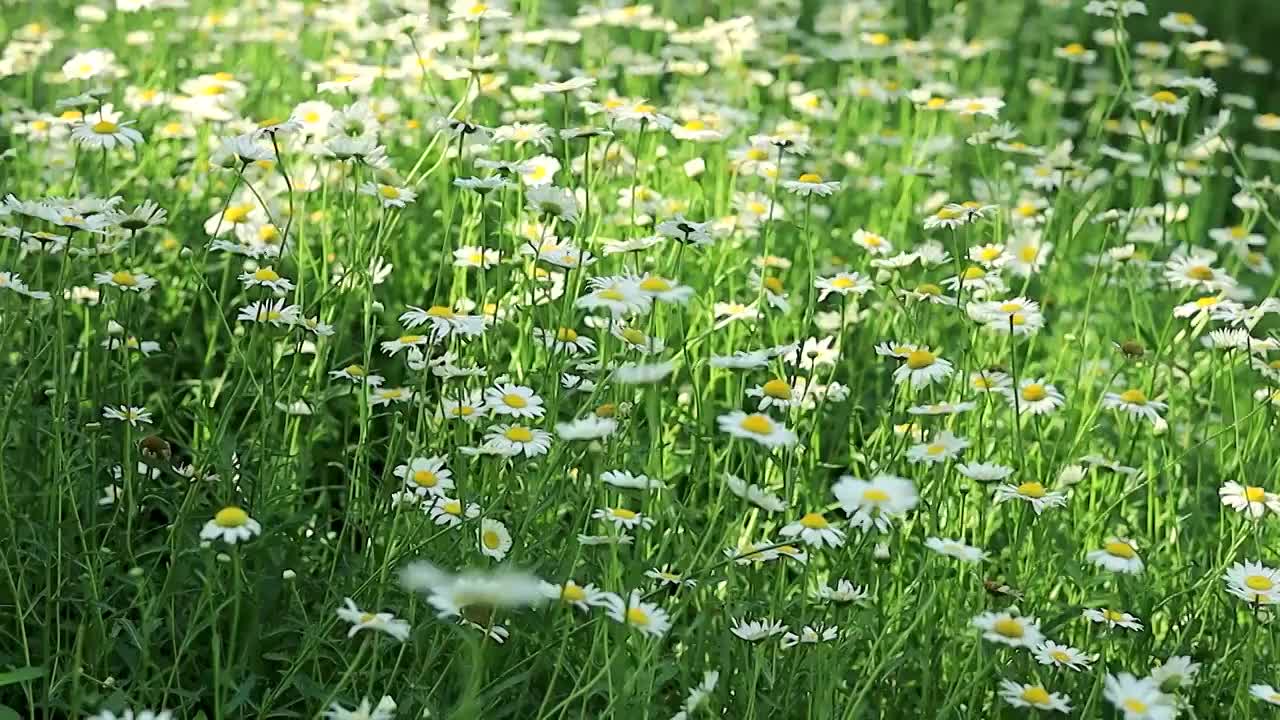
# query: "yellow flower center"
231 517
695 125
928 289
237 213
1134 396
571 593
877 39
425 478
623 514
1033 489
1254 494
515 401
612 294
1185 18
655 284
936 449
265 275
875 495
490 539
637 616
367 618
1034 392
439 311
1073 49
813 521
1060 656
1134 705
1203 273
104 127
1120 549
518 434
843 283
974 273
1164 97
389 192
776 388
1261 583
920 359
634 336
1035 695
757 423
354 370
810 178
1113 615
1008 627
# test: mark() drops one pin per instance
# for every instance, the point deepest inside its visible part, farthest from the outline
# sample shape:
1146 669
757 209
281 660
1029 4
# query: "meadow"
377 359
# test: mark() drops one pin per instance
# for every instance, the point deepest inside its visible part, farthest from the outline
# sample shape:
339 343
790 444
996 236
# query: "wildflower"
955 549
1008 629
582 597
388 195
755 494
512 440
230 525
1138 699
382 622
472 593
515 400
810 635
426 476
1033 493
757 427
1034 696
843 592
276 313
1117 555
448 511
757 630
587 428
131 414
1265 693
125 280
626 480
988 106
1253 582
845 283
1175 673
1163 102
103 130
622 518
665 577
268 278
813 529
922 368
1051 653
942 447
876 502
811 184
1250 499
495 540
1112 618
1181 22
984 472
384 710
648 618
1035 397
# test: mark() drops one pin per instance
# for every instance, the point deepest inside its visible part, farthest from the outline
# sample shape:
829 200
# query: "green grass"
115 602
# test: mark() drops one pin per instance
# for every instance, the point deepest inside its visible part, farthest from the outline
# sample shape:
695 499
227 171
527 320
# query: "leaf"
21 675
8 713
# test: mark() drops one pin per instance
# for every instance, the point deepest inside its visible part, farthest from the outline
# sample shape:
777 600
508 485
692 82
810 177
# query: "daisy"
1008 629
447 511
230 525
426 476
984 472
845 283
1182 22
757 427
275 313
810 635
628 481
453 595
1136 403
811 184
648 618
875 502
955 549
131 414
384 710
443 321
1163 102
386 396
514 400
382 622
1033 696
565 340
1265 693
268 278
872 242
843 592
988 106
1032 492
620 296
1253 582
1138 699
539 171
1112 618
468 407
389 195
666 577
1051 653
942 447
664 290
774 393
494 539
1176 672
813 529
356 374
582 597
512 440
590 427
922 368
125 280
757 630
103 130
755 494
1035 397
622 518
1250 499
1117 555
